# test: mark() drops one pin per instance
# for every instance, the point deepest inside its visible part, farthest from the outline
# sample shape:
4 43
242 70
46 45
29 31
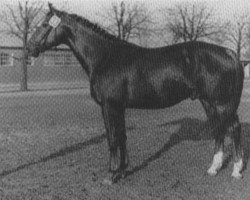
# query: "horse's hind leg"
219 136
218 151
223 122
235 129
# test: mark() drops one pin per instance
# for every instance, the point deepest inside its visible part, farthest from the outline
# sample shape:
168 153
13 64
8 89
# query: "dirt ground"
53 147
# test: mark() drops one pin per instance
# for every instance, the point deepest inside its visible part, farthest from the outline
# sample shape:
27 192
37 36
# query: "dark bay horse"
123 75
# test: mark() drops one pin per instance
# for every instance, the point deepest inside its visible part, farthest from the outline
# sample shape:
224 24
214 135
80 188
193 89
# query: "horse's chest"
95 91
108 88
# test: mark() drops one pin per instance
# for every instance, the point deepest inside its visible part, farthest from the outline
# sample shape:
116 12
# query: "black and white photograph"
124 99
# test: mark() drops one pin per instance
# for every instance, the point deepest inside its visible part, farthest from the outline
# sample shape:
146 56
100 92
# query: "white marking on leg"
238 166
217 163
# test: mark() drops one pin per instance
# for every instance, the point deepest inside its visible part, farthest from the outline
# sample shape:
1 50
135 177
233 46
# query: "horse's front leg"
116 135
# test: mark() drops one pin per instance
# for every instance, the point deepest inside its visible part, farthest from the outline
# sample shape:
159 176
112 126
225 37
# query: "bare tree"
236 33
19 21
127 21
191 22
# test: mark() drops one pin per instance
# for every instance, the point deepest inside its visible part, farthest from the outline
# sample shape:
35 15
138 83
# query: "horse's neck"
90 52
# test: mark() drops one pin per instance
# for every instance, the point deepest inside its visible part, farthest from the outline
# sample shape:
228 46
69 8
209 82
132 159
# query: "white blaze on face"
54 21
217 163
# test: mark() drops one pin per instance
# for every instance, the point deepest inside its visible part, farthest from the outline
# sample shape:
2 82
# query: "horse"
124 75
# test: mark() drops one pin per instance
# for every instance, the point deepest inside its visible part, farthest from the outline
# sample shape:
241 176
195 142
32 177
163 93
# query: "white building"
52 69
247 70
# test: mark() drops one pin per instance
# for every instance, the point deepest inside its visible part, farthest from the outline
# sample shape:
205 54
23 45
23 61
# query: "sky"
91 8
226 8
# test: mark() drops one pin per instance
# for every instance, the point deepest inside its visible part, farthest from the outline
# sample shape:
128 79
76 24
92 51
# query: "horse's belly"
157 99
142 104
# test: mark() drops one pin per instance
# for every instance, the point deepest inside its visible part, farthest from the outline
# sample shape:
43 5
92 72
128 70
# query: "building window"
52 59
30 61
70 60
48 59
6 59
60 59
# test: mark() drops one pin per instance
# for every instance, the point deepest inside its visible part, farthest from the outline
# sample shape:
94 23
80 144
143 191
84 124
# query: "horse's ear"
51 8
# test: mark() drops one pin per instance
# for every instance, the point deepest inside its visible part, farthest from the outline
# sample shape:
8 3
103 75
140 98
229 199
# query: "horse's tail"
238 82
237 75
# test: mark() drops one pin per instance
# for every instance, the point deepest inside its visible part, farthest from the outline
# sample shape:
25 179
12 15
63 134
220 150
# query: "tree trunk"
24 71
24 75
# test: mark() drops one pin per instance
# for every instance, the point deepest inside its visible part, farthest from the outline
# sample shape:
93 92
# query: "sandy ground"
53 147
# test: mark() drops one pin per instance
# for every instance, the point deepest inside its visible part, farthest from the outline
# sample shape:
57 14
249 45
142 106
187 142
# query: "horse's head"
50 33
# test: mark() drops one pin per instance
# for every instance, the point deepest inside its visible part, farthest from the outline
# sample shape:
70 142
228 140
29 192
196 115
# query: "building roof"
61 48
11 42
7 40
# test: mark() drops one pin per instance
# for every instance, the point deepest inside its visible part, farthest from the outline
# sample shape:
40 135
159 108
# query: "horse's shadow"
62 152
190 130
193 130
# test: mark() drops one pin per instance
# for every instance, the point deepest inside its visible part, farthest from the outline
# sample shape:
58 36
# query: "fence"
54 69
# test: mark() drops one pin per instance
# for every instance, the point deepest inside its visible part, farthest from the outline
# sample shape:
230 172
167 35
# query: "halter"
53 23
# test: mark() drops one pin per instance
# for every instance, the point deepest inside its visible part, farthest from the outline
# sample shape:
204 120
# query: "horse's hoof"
114 177
237 175
212 172
238 166
107 181
118 176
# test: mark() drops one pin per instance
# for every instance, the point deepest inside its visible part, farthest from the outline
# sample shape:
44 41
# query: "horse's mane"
93 26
